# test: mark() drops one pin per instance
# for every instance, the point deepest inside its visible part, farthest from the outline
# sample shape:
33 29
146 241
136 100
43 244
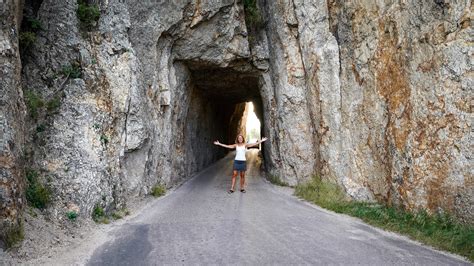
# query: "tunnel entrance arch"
219 96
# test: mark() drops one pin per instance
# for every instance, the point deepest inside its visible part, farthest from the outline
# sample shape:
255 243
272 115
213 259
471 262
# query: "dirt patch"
67 243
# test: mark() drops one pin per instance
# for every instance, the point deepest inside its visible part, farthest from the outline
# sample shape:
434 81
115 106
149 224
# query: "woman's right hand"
216 142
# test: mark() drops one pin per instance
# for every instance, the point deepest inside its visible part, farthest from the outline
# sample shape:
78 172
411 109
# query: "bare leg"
234 176
242 180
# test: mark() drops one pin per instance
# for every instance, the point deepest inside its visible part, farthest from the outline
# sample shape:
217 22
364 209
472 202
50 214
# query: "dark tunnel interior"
217 111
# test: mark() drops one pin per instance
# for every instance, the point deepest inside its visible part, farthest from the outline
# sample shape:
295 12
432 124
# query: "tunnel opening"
223 103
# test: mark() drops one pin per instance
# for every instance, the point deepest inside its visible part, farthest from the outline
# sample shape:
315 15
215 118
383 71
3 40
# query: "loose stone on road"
200 223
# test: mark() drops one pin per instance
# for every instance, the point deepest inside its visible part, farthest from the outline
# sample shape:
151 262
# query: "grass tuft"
53 104
14 236
441 230
34 102
158 190
38 195
119 214
27 39
98 213
276 180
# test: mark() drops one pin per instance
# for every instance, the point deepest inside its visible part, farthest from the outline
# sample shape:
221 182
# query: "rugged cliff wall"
388 90
406 102
373 95
12 112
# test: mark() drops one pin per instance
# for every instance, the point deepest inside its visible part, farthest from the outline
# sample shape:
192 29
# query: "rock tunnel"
218 109
159 81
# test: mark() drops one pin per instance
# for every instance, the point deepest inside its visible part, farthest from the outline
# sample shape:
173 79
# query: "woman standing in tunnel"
240 161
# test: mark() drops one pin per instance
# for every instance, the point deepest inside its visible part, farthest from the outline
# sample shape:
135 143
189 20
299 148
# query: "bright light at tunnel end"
252 125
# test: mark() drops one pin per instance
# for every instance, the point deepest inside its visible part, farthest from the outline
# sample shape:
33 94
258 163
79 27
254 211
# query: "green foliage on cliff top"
440 230
37 194
88 15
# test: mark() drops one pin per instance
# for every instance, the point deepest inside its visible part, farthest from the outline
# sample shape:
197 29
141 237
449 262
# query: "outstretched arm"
256 143
223 145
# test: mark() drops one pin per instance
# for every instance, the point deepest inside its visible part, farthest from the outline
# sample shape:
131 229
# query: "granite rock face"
12 112
134 117
406 79
374 96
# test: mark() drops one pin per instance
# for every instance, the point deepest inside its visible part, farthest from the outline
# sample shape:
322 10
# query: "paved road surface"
200 223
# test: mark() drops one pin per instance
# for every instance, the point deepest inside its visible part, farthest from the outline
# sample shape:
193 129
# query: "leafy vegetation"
104 140
440 230
34 24
98 215
72 70
40 128
29 30
88 15
27 39
276 180
14 236
71 215
38 195
34 102
158 190
119 214
253 16
54 104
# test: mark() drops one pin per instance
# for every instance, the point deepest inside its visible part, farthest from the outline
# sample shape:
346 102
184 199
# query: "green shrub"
34 24
72 70
119 214
27 39
98 212
38 195
99 215
158 190
29 28
253 16
14 236
53 104
71 215
88 15
34 103
104 140
439 230
40 128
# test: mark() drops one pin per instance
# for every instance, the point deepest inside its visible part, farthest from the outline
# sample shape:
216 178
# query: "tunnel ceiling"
226 85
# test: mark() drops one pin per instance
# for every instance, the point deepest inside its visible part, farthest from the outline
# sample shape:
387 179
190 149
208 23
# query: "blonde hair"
237 138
